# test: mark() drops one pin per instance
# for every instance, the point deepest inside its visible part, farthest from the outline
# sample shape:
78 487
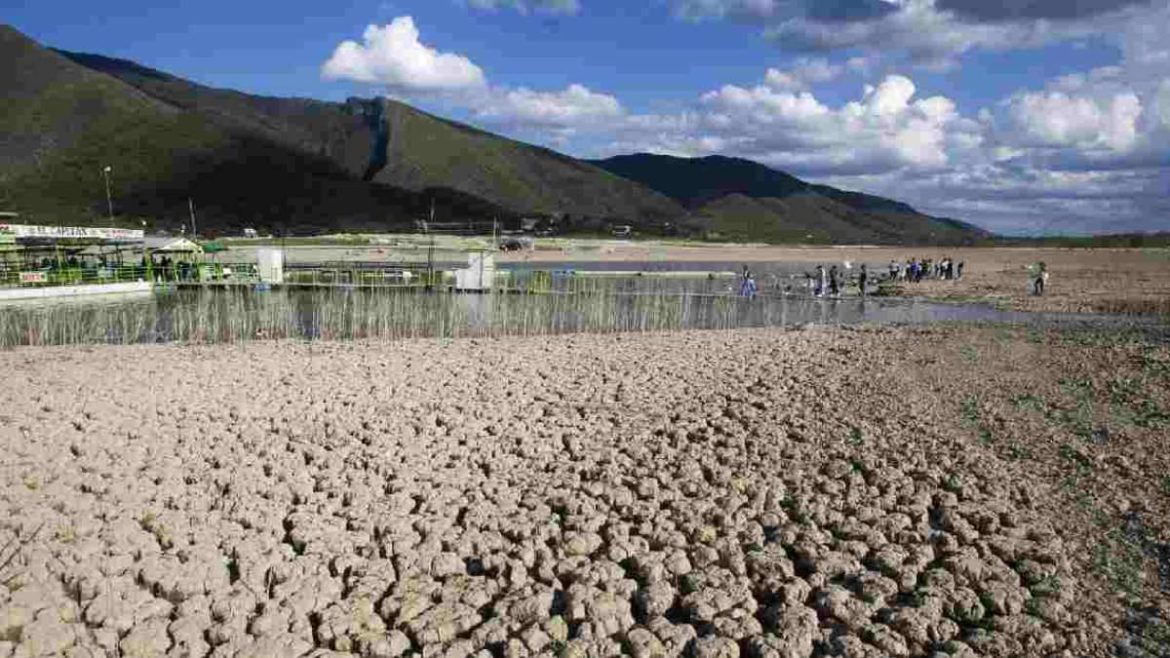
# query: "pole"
431 249
109 199
191 209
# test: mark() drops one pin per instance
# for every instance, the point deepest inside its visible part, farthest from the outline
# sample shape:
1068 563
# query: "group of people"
831 282
917 269
166 269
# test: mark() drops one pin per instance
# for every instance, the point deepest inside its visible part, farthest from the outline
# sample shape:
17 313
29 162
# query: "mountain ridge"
731 192
307 166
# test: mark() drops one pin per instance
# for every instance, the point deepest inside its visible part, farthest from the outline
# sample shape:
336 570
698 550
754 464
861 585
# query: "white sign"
271 265
59 232
33 277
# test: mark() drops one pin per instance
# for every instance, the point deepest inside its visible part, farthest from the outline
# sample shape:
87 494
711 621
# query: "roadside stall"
176 259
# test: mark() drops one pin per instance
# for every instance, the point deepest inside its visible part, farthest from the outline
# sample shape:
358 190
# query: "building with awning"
28 243
53 261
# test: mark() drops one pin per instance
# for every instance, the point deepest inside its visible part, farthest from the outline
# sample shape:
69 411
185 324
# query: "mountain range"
302 166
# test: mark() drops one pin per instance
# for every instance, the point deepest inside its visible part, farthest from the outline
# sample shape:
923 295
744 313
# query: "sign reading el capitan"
64 232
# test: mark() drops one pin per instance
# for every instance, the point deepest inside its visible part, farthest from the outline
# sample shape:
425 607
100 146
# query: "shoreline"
1110 280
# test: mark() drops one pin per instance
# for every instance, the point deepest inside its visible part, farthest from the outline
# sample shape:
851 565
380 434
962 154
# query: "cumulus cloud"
806 73
525 6
1109 118
1088 150
1023 200
1086 153
1062 120
393 56
886 128
931 32
574 107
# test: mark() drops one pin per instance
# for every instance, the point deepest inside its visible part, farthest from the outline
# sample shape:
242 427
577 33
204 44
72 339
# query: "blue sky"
1042 117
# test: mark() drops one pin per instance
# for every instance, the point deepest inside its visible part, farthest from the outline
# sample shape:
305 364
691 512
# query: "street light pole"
109 199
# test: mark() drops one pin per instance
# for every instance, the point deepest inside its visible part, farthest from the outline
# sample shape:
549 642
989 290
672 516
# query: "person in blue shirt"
748 287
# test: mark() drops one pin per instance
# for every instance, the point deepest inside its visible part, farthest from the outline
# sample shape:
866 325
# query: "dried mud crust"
755 493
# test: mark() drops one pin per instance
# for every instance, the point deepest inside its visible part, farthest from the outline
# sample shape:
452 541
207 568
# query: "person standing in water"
834 281
820 279
862 280
747 287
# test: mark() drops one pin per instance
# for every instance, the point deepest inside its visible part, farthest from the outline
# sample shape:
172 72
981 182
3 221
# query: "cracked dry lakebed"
946 491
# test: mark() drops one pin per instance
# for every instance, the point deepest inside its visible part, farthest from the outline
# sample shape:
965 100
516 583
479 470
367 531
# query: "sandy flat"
761 493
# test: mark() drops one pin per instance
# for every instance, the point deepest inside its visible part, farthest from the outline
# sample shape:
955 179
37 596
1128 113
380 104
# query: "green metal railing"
42 277
70 276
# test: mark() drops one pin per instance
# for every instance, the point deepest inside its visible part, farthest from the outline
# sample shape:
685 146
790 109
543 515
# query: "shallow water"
570 305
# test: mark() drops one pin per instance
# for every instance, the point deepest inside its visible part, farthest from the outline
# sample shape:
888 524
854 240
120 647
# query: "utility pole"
109 199
191 209
430 248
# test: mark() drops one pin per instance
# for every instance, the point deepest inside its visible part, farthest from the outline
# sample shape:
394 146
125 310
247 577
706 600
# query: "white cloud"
393 56
574 107
1086 151
805 73
1058 119
930 32
838 10
1161 106
525 6
887 128
1029 201
860 65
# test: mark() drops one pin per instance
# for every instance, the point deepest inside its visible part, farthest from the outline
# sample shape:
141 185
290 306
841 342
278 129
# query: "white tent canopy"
171 245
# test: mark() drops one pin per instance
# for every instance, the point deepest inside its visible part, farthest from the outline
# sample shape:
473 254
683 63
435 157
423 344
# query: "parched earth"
893 492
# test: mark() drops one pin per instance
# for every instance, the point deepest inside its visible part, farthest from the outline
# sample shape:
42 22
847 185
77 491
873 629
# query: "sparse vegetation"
1019 451
1075 458
598 305
970 353
1028 401
969 411
1121 561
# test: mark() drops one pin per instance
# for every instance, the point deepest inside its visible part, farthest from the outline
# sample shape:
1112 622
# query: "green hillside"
63 123
388 142
740 200
302 166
